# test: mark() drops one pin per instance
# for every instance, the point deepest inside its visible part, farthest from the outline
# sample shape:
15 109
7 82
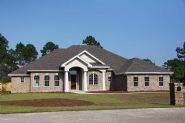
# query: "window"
56 78
160 81
109 78
46 78
147 81
135 81
36 80
93 79
22 79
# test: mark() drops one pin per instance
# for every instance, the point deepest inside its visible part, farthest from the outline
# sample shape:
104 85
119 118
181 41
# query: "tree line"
177 65
12 59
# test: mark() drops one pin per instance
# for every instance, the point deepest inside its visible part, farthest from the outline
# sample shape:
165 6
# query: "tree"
3 47
90 40
25 54
148 60
177 65
48 47
3 54
181 52
30 53
19 50
7 60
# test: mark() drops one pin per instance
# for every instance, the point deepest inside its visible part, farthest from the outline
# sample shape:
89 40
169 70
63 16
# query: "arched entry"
81 68
75 78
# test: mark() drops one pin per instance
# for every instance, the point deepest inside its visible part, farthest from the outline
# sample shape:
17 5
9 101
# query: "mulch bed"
53 102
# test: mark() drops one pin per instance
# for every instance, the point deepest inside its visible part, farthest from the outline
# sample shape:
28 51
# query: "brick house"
88 68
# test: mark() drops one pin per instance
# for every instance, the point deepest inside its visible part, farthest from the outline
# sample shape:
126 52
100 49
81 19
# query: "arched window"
46 78
56 78
93 79
36 80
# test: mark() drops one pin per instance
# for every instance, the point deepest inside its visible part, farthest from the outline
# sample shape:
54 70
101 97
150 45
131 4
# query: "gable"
87 58
76 62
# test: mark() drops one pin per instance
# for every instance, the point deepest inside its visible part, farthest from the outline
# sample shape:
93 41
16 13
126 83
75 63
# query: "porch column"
103 80
66 82
84 81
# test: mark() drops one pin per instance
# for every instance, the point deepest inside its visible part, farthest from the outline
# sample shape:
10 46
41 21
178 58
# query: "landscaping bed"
54 102
41 102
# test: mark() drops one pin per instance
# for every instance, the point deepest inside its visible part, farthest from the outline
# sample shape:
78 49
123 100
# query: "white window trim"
34 80
93 78
57 80
136 81
147 81
161 81
45 81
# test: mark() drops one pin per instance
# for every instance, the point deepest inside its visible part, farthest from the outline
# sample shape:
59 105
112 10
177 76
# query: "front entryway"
75 78
73 82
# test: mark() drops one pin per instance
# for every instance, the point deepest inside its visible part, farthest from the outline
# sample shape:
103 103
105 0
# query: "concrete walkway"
155 115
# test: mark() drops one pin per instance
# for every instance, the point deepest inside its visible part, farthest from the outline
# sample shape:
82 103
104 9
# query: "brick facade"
51 87
99 86
153 83
118 82
18 86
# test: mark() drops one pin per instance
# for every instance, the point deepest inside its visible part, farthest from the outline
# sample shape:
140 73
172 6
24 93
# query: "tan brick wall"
96 87
28 85
18 86
153 84
51 87
107 82
99 86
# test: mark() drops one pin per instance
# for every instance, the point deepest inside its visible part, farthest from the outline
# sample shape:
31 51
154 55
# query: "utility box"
176 94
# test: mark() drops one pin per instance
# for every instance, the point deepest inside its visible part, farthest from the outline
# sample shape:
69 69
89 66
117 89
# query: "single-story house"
88 68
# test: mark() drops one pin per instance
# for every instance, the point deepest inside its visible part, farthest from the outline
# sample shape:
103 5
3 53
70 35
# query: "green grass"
102 101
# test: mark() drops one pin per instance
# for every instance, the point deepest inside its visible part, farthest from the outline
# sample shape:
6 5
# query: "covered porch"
76 72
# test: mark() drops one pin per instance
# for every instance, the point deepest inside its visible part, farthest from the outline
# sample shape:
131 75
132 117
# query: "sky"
131 28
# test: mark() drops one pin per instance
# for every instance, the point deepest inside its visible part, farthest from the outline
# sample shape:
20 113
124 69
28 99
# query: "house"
88 68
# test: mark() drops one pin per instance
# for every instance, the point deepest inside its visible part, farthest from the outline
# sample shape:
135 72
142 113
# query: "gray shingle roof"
139 65
119 64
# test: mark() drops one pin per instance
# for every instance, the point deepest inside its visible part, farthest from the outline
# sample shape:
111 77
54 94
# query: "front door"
73 82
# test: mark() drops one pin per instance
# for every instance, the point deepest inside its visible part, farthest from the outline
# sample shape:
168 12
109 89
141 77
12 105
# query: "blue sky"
131 28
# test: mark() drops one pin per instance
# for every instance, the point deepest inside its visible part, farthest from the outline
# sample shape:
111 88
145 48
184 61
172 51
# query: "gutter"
26 75
156 73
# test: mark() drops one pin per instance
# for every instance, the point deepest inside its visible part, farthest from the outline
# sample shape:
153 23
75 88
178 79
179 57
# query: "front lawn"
99 101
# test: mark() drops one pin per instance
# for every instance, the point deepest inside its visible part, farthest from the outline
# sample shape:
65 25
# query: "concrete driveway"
172 115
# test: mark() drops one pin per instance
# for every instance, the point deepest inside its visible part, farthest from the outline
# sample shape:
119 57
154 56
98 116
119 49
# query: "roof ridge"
116 54
37 60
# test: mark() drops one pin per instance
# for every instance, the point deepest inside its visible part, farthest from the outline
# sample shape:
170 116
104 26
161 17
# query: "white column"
66 82
103 80
84 81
